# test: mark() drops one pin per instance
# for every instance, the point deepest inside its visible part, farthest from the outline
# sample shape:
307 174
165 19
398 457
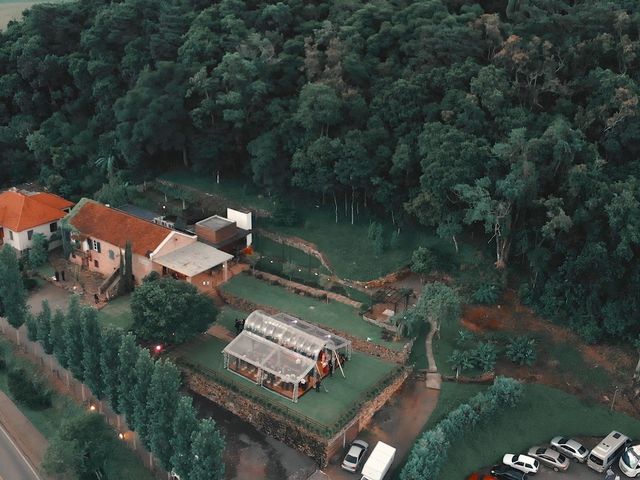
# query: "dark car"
505 472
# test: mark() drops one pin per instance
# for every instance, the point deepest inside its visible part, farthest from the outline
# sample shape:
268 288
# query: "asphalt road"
13 464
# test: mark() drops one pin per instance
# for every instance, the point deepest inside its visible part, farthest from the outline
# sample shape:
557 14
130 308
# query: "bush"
429 453
484 356
27 389
486 294
461 360
522 350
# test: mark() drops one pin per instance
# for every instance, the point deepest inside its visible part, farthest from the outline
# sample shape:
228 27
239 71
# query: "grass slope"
346 246
332 314
543 413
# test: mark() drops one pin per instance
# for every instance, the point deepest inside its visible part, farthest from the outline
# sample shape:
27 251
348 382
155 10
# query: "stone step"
434 381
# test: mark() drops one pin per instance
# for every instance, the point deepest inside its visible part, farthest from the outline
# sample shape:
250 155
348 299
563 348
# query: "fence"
64 383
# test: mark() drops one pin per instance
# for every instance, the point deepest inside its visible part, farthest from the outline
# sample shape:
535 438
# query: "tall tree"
207 449
91 351
44 325
72 329
12 291
161 404
57 337
111 339
144 370
128 353
185 424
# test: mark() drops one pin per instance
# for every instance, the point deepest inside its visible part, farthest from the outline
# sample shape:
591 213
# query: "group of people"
239 324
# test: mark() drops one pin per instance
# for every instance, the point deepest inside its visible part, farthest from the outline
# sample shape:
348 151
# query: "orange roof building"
23 214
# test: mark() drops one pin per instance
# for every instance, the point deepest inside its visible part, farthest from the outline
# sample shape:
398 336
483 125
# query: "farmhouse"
97 236
23 214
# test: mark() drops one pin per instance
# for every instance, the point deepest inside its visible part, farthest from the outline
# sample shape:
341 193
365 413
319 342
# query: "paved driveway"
577 471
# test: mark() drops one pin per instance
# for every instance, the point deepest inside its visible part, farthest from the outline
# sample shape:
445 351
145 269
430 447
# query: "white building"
23 214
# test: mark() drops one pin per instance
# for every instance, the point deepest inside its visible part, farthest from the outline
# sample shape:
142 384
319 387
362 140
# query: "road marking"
24 459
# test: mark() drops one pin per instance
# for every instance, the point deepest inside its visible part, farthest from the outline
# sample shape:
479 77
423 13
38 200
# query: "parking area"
577 471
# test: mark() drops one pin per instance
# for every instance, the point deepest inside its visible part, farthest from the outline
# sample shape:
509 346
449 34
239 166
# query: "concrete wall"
21 239
109 260
243 220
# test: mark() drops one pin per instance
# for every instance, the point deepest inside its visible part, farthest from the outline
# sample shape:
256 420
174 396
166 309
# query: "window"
30 234
10 234
112 255
96 264
96 245
53 227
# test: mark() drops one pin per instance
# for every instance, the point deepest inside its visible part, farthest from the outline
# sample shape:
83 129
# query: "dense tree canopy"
518 120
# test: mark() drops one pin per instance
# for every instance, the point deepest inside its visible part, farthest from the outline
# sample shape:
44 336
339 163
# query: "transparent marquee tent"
283 353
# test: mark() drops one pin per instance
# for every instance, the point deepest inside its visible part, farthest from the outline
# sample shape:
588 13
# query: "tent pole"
339 364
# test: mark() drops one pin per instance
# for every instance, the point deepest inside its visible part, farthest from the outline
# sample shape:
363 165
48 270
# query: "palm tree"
107 163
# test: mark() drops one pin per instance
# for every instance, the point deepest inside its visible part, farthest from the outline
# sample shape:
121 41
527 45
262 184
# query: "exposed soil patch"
614 364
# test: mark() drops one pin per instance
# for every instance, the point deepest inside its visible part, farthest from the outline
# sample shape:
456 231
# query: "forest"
518 119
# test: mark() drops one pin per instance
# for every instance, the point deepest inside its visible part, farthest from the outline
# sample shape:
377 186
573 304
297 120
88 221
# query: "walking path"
26 438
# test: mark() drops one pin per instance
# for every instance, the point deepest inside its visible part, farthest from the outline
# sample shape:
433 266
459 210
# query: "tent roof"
193 259
293 333
286 364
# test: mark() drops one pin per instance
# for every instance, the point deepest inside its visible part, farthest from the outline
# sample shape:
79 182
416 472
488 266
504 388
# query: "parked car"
570 447
629 462
480 476
354 456
521 462
550 457
505 472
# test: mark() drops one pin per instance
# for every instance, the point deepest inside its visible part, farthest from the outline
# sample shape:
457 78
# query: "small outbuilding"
285 354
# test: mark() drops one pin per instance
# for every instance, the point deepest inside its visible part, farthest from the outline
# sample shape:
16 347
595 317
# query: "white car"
570 447
629 462
354 456
521 462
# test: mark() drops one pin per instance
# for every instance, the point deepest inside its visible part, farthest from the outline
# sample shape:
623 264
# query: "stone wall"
288 430
262 417
299 287
296 242
368 410
370 348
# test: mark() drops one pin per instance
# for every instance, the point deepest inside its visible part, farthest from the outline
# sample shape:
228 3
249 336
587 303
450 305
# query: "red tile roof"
53 200
19 212
113 226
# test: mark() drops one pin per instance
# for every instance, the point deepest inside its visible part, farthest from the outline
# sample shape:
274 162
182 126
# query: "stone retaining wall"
296 242
299 287
370 348
288 430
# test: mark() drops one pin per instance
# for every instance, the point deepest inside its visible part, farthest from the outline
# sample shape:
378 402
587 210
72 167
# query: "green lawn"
332 314
238 191
227 317
346 246
117 313
271 250
362 372
418 356
543 413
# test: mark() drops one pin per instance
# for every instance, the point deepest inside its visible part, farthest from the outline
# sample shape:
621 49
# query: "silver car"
354 456
549 457
570 447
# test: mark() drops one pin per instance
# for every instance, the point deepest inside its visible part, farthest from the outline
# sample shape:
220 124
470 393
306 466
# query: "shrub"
461 360
429 453
27 389
29 283
486 294
464 338
522 350
484 356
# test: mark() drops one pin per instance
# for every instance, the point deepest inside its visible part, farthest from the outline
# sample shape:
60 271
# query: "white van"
630 462
379 462
605 453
